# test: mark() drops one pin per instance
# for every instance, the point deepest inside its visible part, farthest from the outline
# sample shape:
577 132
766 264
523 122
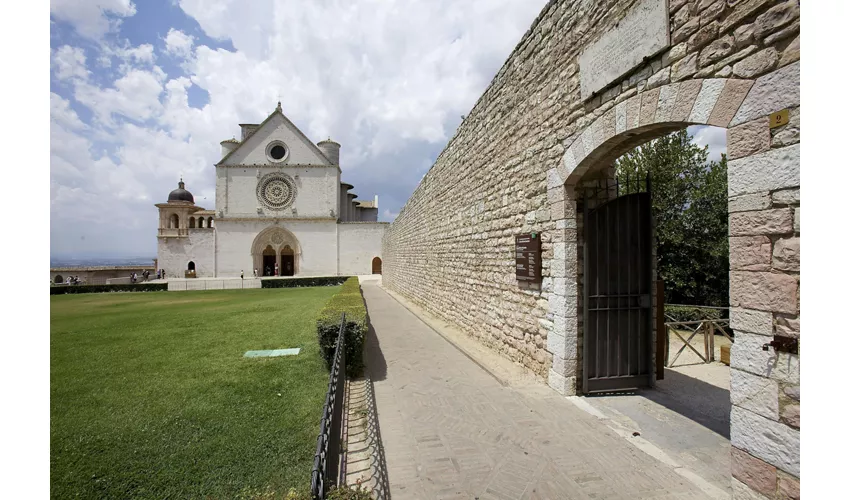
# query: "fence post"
711 340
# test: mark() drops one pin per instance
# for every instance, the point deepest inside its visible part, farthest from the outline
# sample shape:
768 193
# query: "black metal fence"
326 462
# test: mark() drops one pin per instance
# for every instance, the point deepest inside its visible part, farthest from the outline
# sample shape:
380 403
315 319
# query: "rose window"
276 191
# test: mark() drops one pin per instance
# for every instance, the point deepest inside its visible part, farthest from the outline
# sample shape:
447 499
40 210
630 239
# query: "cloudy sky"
143 92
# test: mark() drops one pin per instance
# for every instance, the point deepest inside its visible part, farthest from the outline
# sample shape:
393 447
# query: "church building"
281 208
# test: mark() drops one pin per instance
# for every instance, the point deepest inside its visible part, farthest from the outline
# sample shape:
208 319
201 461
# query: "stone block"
712 12
727 104
748 138
788 488
684 67
648 105
685 97
791 53
740 11
620 109
768 171
755 393
716 50
744 35
786 254
747 355
687 29
776 17
555 194
749 253
633 112
703 36
797 220
706 100
772 442
749 202
677 52
775 221
764 291
566 386
786 197
757 474
741 491
787 326
666 102
793 392
788 134
791 415
749 320
774 91
757 64
724 72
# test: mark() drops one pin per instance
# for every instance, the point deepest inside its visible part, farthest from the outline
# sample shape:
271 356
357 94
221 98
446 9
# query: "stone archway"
754 170
273 242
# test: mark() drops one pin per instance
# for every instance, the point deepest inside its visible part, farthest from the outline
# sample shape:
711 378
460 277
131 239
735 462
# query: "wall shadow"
375 362
699 401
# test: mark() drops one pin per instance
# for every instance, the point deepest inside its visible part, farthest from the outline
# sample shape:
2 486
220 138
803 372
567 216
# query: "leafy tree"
689 205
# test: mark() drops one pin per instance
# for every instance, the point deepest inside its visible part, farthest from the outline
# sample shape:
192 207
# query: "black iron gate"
617 287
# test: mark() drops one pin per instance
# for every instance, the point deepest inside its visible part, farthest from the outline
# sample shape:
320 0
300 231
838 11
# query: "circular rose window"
276 191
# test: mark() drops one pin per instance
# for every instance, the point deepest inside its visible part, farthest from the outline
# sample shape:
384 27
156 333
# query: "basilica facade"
281 208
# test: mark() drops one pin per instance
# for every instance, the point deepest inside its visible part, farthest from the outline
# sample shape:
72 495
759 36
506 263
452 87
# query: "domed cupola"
180 194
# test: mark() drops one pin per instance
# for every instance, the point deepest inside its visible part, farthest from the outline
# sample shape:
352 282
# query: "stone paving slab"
452 430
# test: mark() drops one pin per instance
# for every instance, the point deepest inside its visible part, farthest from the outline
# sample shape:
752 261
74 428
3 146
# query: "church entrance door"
268 261
287 261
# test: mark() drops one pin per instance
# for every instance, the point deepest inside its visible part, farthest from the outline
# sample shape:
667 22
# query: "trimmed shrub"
301 282
350 301
694 313
138 287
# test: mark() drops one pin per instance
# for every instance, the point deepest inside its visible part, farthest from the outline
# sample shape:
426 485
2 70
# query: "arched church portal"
276 252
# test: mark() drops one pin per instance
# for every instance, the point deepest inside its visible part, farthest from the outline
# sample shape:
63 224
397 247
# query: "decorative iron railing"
706 326
327 459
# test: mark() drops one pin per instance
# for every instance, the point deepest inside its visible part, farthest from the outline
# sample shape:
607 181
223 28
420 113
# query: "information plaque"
528 261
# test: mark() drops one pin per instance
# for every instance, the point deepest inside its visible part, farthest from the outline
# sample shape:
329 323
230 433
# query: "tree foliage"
689 204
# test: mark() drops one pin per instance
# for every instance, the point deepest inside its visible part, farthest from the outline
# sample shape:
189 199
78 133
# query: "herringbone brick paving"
450 430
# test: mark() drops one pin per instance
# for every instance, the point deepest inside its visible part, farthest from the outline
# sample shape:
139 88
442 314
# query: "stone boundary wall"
513 163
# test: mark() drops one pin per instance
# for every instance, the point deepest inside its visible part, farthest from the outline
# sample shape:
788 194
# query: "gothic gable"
276 130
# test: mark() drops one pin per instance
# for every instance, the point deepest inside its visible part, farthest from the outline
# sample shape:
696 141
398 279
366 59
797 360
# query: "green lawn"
150 396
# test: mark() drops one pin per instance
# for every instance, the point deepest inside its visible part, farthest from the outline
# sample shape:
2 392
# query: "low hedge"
694 313
138 287
350 301
301 282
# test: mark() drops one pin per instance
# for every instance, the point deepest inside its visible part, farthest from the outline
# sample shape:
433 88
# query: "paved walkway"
451 430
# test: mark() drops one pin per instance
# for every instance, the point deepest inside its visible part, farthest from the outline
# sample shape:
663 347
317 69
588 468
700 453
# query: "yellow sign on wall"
779 118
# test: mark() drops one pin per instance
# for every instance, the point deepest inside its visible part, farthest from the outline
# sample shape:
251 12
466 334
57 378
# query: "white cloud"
69 63
178 43
62 114
713 137
135 96
92 18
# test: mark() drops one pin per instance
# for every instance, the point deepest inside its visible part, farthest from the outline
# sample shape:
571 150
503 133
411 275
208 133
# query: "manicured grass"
150 396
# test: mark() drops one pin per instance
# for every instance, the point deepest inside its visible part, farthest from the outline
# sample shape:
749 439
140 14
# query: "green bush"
350 301
138 287
301 282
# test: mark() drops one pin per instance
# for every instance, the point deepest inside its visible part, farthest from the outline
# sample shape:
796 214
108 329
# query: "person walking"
255 272
276 270
242 274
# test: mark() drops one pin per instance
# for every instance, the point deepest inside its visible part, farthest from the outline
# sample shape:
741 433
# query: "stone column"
764 284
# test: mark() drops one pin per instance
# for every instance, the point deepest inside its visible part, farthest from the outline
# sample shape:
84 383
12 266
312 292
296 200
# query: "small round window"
277 152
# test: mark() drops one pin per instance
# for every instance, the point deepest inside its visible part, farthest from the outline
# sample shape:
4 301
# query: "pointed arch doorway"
276 249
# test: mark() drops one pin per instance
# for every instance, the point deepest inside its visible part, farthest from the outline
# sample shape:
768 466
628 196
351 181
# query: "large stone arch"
277 238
